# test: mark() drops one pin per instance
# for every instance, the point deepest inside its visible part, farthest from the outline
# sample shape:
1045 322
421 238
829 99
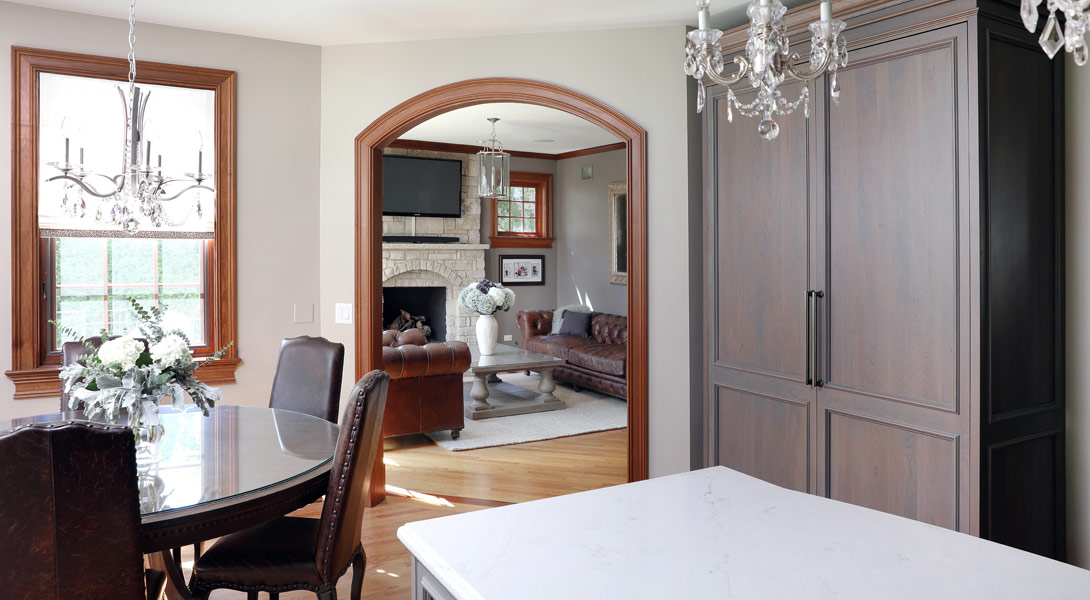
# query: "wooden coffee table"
509 359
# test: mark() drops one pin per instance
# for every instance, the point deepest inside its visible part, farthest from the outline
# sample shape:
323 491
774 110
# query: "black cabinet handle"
809 332
817 339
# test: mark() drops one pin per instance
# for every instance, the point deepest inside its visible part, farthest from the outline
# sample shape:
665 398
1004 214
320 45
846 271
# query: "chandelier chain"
132 47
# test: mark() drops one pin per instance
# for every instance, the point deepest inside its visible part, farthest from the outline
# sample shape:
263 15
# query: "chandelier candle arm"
138 195
767 61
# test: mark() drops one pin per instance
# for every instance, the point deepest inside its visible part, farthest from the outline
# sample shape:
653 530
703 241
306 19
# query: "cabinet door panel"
895 347
893 226
764 436
761 243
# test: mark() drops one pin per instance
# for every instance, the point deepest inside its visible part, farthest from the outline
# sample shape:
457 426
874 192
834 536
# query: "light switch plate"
343 313
304 312
507 338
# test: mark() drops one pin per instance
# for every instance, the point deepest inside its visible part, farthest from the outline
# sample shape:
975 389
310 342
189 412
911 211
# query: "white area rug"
587 412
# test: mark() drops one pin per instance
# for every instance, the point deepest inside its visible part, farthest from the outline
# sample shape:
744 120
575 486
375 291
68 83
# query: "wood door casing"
896 313
758 229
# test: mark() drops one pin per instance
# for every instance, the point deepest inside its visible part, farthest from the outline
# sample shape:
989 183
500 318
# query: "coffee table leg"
546 387
479 393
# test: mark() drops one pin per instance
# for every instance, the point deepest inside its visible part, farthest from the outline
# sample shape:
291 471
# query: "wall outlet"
508 338
304 312
342 313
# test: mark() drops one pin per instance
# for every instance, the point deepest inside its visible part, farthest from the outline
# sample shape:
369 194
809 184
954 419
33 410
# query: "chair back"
71 353
69 513
308 377
350 478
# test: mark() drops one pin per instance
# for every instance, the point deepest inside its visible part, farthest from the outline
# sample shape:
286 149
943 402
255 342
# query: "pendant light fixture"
135 198
493 167
767 62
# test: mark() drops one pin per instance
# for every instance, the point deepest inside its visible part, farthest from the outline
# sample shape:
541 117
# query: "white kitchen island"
715 533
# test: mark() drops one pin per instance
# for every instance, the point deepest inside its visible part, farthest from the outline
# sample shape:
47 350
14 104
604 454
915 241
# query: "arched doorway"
368 236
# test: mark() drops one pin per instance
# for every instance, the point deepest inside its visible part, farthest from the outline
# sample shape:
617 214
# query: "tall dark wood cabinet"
884 281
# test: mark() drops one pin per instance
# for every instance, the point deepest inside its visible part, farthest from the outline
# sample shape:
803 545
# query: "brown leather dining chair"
292 553
70 514
308 377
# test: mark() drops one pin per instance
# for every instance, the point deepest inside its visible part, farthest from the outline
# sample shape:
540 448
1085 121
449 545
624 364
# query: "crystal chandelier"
1054 36
494 167
767 62
138 195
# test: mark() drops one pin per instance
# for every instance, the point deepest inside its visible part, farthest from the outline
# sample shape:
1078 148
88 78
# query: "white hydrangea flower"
123 351
171 349
497 295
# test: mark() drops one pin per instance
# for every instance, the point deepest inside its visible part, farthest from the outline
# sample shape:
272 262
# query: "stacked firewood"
406 321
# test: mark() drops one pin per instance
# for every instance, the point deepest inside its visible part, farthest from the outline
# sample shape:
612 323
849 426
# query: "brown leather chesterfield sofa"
596 362
425 383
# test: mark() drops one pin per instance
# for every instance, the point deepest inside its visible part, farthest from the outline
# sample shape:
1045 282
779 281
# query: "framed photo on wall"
522 270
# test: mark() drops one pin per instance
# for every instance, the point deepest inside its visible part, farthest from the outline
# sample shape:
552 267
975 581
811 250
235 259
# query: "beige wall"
278 107
636 71
582 225
1078 314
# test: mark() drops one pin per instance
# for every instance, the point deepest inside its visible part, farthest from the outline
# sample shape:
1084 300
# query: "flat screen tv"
421 187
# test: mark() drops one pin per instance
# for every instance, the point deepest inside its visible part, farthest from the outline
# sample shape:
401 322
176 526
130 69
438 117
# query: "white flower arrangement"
129 374
486 297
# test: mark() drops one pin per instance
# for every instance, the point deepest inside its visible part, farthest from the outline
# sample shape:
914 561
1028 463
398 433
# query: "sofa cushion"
556 345
604 358
576 323
558 315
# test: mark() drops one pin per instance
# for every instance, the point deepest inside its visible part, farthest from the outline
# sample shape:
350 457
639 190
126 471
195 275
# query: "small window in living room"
523 219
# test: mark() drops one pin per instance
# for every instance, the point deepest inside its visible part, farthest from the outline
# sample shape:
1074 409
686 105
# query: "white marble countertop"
717 533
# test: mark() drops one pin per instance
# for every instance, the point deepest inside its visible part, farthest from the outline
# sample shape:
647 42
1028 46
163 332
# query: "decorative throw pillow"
576 323
558 315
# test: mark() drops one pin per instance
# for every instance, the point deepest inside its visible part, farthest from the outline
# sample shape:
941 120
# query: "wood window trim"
543 237
33 371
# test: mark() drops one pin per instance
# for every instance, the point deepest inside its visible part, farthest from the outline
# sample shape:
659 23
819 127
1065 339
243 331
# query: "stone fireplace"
447 266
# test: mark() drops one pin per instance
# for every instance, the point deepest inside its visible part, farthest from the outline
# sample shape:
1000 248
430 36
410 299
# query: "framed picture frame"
522 269
618 232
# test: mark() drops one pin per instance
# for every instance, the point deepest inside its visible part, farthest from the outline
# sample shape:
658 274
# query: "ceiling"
519 127
329 22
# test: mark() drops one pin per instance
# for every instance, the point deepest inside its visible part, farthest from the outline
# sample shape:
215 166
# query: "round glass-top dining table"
210 476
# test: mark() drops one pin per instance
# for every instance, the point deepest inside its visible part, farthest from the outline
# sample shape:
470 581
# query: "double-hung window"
524 218
74 264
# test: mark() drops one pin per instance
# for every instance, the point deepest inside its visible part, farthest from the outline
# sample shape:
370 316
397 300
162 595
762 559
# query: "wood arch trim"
368 235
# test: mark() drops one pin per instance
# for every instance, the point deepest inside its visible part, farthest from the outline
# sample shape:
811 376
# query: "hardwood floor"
471 480
517 473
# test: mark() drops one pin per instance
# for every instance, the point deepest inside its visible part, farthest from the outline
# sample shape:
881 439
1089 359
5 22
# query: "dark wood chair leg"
274 595
359 567
251 595
330 594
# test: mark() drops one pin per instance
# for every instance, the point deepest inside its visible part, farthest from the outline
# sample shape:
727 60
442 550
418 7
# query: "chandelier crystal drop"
138 196
767 62
493 168
1071 36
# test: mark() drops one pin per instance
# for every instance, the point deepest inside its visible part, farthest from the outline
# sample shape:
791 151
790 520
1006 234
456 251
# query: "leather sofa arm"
438 358
533 323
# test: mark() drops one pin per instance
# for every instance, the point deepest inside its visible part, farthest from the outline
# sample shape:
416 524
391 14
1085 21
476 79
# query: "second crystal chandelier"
767 62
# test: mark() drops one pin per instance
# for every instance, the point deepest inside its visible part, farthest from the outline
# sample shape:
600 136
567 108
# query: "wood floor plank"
517 473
